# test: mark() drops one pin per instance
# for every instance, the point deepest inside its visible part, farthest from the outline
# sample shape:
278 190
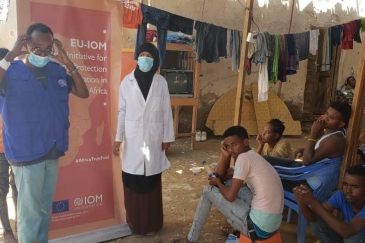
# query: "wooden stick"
354 127
242 69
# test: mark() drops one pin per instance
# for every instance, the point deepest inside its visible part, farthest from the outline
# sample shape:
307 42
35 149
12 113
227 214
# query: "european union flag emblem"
60 206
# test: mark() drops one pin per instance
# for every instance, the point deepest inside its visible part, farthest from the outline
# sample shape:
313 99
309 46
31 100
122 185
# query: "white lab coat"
143 125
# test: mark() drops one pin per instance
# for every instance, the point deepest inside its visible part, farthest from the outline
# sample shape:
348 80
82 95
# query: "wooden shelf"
178 101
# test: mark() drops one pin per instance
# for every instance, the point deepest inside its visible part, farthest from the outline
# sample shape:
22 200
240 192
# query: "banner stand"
100 235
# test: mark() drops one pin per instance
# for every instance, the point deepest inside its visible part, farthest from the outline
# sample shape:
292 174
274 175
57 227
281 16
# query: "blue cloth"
159 18
326 234
4 189
181 24
34 119
339 202
35 199
210 42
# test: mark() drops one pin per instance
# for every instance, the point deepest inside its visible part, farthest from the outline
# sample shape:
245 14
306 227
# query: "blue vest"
34 119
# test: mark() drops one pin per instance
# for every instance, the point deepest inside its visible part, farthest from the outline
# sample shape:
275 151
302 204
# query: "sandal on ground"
151 233
226 230
182 240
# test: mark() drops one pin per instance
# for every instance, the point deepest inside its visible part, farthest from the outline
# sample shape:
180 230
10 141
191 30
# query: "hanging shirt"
273 76
303 45
313 44
349 31
291 54
132 14
181 24
210 42
336 32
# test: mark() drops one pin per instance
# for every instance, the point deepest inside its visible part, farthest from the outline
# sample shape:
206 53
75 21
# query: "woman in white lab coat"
145 131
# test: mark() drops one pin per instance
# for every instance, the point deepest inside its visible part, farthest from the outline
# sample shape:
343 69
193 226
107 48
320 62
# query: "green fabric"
363 25
275 64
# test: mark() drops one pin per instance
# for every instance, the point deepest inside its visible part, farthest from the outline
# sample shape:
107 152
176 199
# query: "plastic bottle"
208 169
232 239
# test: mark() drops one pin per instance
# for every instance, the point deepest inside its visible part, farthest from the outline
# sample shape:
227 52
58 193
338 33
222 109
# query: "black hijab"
144 79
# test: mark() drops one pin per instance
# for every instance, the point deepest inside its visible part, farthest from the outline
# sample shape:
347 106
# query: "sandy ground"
181 193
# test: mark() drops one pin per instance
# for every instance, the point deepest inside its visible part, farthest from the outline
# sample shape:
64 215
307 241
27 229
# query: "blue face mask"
145 64
38 61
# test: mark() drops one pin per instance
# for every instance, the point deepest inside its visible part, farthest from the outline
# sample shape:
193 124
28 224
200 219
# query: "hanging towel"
313 44
263 79
282 59
235 44
326 52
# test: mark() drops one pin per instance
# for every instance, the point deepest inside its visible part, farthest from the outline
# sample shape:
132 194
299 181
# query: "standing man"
350 201
8 235
35 123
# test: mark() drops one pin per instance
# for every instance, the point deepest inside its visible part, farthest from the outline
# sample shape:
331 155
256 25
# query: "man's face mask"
35 56
145 64
38 61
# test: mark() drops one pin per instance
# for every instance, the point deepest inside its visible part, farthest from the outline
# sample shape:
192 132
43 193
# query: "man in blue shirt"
350 201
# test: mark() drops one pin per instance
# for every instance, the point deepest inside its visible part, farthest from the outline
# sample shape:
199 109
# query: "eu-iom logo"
60 206
88 202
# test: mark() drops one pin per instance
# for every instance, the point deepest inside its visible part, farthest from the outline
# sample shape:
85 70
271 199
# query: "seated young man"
265 211
326 141
350 201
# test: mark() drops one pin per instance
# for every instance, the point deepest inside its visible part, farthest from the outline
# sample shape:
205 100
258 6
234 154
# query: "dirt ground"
181 193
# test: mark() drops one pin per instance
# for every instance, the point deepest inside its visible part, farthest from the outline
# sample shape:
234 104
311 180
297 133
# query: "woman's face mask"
38 61
145 63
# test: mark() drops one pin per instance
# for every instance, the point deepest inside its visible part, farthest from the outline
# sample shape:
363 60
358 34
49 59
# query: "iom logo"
62 83
88 202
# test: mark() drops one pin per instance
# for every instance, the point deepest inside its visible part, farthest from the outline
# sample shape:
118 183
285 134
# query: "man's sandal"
226 230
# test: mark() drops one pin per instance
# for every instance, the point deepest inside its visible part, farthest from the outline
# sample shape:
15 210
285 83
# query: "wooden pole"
242 69
354 127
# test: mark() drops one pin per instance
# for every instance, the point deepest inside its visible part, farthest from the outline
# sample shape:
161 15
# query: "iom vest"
34 119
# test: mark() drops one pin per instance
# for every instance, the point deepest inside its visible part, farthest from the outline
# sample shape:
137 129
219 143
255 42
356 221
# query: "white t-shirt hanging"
313 44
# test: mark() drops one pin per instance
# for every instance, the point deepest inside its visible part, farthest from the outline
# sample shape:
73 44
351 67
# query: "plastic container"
232 239
208 169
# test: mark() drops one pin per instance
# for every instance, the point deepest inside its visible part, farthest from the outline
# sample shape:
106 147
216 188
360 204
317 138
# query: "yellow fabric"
282 147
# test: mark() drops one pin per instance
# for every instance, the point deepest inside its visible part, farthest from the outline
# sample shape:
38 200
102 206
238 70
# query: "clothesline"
278 55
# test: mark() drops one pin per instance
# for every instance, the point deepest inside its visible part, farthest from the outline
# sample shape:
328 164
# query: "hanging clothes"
132 14
336 34
326 50
304 39
159 18
357 31
313 43
349 31
282 60
263 79
259 55
273 76
268 41
235 44
210 42
291 54
181 24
